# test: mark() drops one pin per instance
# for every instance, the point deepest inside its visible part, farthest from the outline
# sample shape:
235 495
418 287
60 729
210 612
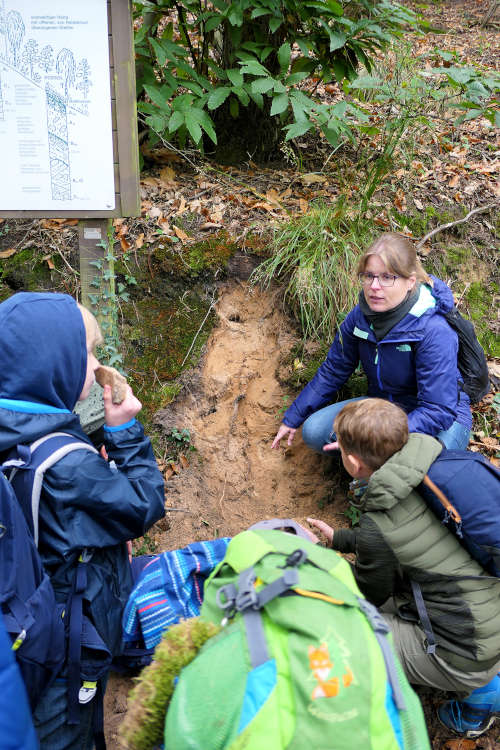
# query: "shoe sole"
469 733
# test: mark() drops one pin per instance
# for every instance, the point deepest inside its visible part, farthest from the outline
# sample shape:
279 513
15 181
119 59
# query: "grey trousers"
431 669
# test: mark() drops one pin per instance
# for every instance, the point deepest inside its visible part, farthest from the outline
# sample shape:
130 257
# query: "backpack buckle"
226 598
294 559
247 597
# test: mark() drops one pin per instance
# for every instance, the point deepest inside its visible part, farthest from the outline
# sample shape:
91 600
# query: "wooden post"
97 278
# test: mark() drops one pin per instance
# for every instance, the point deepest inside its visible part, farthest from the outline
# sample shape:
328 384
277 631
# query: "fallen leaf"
273 197
460 744
490 442
210 225
151 181
471 187
181 234
50 262
125 244
169 473
139 240
8 253
183 460
303 205
58 223
154 212
454 180
309 179
400 200
164 225
167 174
418 204
264 205
381 221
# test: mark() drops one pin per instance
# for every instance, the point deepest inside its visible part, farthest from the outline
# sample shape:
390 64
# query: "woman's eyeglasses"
384 279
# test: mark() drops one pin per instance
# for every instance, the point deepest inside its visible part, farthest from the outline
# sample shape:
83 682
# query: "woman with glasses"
406 348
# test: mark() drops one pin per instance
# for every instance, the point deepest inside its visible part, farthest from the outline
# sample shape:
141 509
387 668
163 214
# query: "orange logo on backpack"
321 666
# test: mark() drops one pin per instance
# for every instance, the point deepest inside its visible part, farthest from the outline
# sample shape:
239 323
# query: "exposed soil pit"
232 407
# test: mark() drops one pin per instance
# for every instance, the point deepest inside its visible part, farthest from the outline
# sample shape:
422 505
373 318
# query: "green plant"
180 438
202 65
353 514
316 256
145 545
176 443
284 406
478 91
411 99
105 297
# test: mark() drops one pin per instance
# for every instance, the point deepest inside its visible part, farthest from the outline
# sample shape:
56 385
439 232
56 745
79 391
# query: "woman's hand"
283 431
326 530
118 414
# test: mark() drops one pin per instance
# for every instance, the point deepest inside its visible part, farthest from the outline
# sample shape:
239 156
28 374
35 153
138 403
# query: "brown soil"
231 406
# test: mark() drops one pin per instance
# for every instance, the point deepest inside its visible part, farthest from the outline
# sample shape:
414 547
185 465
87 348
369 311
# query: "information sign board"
68 126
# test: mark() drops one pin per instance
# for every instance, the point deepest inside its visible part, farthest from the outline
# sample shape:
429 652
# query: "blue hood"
443 295
43 352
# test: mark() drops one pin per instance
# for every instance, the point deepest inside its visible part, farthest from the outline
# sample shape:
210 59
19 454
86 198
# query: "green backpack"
302 660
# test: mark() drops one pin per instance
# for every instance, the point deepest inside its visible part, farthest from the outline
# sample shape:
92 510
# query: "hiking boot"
475 715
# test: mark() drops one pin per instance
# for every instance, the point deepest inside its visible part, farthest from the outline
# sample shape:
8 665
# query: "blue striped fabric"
170 588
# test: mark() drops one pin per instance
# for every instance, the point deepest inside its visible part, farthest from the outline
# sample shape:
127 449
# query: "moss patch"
157 333
481 304
26 271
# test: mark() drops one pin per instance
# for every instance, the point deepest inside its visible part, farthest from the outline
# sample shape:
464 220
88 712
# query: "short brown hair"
398 254
373 429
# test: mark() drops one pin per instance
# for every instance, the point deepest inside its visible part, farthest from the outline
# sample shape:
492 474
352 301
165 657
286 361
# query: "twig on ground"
453 223
176 510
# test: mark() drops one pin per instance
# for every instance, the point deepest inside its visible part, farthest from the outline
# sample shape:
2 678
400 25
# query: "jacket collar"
403 472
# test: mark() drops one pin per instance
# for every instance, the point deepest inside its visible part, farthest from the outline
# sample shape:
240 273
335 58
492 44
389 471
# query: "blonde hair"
398 254
373 429
93 333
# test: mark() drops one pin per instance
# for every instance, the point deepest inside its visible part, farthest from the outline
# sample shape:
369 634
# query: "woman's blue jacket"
414 365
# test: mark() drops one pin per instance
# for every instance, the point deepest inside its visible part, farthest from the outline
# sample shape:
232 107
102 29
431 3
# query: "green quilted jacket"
400 539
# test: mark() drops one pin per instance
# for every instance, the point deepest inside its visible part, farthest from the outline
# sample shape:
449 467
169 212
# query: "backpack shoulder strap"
450 509
31 463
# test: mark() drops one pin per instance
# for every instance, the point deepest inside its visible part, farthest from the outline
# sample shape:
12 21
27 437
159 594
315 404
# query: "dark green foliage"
197 61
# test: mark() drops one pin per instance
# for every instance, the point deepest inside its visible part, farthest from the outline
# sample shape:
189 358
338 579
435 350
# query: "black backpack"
471 358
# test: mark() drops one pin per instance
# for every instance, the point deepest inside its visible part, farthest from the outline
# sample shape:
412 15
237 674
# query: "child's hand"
118 414
331 447
323 527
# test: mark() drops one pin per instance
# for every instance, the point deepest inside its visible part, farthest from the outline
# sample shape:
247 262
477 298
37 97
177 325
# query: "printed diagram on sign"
64 80
55 106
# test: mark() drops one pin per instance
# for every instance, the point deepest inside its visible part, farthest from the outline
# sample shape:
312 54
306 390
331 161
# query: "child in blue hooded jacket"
88 505
406 347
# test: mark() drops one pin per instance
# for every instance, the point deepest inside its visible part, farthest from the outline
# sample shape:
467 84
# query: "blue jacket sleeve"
437 379
89 502
341 361
16 726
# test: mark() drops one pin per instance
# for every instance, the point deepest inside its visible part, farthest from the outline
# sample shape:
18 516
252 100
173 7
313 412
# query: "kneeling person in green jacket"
450 640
